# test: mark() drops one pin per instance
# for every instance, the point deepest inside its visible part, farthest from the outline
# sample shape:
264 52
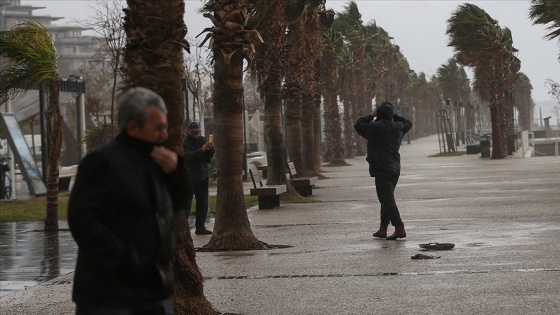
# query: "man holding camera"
198 152
384 136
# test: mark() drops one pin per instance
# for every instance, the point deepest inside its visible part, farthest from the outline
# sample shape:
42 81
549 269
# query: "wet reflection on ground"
29 255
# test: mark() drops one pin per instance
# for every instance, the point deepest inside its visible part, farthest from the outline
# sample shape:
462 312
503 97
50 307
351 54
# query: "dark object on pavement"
438 246
422 256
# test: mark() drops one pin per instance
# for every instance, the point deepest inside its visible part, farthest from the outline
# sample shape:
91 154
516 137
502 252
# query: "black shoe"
202 231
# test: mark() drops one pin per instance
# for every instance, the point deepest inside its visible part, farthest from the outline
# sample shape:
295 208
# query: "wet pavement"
502 215
29 256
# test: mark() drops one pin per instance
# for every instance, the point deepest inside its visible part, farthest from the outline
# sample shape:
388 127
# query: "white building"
74 49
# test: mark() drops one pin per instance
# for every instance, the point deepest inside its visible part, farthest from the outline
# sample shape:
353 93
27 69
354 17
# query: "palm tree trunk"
314 41
307 130
269 66
333 130
294 141
348 129
54 144
153 58
498 151
274 137
356 112
232 229
188 292
317 126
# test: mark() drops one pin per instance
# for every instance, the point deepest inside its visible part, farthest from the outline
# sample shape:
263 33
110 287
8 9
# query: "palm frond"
30 58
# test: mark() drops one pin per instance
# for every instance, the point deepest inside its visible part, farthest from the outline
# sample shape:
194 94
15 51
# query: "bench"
303 185
269 196
66 175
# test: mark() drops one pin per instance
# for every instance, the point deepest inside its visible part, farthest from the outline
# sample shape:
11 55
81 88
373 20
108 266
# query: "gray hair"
133 106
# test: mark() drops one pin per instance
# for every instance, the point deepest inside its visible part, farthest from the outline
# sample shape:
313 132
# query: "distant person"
384 136
4 167
198 153
120 214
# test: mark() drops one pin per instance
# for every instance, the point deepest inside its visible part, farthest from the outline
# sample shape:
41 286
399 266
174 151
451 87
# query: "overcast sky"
417 26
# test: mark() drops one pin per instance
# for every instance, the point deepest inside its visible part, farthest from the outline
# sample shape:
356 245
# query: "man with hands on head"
384 136
120 214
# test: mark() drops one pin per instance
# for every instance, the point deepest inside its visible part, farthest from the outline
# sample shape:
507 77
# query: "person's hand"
165 158
208 146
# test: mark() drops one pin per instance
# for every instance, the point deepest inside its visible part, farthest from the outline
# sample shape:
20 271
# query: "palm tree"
153 58
480 43
455 86
295 47
356 51
523 100
547 12
348 67
314 40
32 61
426 104
267 69
453 81
330 77
232 42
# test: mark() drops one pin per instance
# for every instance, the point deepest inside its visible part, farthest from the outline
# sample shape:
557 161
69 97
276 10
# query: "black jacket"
196 159
120 214
384 140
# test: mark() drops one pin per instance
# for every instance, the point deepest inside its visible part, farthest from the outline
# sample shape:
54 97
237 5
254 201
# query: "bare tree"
107 24
554 90
197 69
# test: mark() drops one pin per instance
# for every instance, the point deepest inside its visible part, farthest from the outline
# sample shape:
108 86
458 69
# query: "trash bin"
484 148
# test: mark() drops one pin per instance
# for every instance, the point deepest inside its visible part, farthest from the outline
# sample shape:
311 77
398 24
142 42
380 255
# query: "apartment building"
75 50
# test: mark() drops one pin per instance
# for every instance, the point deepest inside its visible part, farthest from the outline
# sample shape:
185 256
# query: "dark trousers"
385 187
200 191
164 307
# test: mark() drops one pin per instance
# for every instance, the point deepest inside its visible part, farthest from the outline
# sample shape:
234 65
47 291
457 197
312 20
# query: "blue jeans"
385 187
200 191
164 307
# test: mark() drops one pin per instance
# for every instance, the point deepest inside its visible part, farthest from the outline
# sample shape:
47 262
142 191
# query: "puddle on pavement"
31 254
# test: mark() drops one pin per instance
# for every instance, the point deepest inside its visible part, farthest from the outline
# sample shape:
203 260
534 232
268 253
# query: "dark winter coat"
196 159
120 214
384 138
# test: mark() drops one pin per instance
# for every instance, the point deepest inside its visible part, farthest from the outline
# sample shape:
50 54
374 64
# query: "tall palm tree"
32 61
455 86
330 77
314 40
348 67
453 81
153 58
357 41
480 43
426 104
547 12
302 48
231 43
295 47
268 66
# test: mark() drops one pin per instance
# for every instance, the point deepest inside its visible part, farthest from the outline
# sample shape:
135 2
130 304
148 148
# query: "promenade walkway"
502 215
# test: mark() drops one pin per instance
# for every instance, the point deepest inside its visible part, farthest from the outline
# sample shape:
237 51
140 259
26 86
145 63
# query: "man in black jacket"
120 214
384 136
198 153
